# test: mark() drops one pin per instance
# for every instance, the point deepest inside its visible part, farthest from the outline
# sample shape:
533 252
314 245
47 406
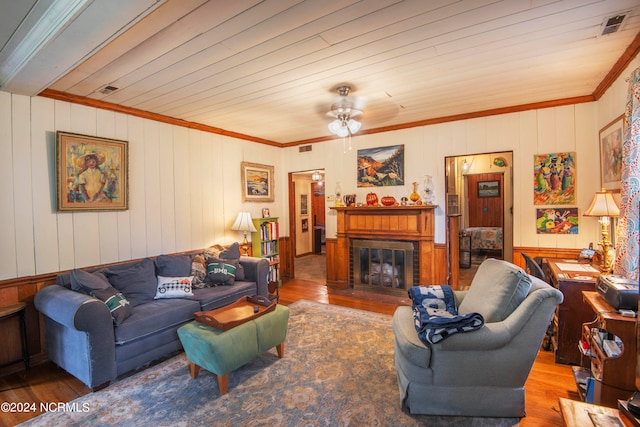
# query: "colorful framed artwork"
382 166
554 179
92 173
257 182
557 220
611 137
304 204
488 188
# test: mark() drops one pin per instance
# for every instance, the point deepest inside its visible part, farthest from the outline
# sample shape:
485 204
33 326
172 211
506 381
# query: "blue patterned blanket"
436 316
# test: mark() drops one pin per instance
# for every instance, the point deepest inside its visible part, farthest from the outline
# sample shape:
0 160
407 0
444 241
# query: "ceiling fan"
343 111
347 111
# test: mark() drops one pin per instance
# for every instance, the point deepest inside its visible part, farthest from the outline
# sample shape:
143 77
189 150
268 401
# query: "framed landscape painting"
91 173
488 188
611 155
257 182
381 166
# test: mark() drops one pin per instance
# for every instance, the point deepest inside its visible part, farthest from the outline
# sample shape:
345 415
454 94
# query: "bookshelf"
264 244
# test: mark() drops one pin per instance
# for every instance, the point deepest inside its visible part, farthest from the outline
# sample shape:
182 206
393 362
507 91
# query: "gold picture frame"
92 173
257 182
611 137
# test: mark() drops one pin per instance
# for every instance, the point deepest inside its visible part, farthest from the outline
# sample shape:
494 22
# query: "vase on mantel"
414 197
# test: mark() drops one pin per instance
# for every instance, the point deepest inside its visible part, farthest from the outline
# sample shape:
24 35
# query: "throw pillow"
85 282
116 302
496 290
232 253
173 265
137 281
220 272
199 272
97 285
174 287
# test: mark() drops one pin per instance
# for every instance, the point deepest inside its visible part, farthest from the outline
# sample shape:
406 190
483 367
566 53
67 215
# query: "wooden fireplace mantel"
404 223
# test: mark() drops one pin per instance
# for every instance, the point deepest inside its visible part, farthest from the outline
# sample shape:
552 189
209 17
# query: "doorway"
307 222
480 188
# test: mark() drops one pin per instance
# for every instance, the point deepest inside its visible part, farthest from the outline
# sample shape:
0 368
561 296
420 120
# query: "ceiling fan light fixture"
344 112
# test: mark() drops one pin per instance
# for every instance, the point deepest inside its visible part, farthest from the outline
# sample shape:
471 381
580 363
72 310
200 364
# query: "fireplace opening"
382 265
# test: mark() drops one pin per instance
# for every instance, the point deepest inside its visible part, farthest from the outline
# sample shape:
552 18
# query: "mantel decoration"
611 155
257 182
91 173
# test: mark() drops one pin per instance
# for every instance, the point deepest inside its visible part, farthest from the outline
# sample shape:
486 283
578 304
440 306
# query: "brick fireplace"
384 249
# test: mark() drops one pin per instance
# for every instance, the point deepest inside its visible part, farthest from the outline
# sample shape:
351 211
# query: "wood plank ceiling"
269 69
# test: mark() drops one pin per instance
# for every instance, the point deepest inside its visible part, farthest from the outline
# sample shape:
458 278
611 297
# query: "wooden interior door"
485 210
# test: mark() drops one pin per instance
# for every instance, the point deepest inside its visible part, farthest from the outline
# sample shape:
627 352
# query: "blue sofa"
86 339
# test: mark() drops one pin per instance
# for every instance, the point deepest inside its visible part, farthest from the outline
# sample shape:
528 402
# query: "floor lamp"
604 206
244 223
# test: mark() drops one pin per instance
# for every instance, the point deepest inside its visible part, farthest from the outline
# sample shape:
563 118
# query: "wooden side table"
8 312
576 414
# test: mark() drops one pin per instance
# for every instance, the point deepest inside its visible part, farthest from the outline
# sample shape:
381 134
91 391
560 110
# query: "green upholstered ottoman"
221 352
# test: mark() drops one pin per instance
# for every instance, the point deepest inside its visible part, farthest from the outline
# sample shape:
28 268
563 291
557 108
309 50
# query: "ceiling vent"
107 90
304 149
613 24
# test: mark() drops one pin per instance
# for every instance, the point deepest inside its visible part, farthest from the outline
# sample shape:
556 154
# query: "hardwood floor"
48 384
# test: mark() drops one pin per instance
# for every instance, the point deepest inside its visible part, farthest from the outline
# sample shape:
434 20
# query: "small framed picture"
611 155
265 213
488 188
257 182
305 225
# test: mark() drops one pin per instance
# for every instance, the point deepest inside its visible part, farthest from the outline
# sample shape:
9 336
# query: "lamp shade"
243 223
603 205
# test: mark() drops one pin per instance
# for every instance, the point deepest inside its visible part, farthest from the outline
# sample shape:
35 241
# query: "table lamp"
604 206
244 223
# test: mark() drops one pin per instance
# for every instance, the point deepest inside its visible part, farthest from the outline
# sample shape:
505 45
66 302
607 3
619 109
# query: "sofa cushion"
173 265
137 281
174 287
496 290
155 316
97 285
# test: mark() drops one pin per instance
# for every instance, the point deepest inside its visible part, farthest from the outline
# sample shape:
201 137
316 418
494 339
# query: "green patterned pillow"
116 302
221 271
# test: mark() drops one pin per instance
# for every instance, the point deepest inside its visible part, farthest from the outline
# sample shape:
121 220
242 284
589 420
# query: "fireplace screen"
383 264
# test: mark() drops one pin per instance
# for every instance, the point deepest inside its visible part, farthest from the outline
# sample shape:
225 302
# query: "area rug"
337 370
